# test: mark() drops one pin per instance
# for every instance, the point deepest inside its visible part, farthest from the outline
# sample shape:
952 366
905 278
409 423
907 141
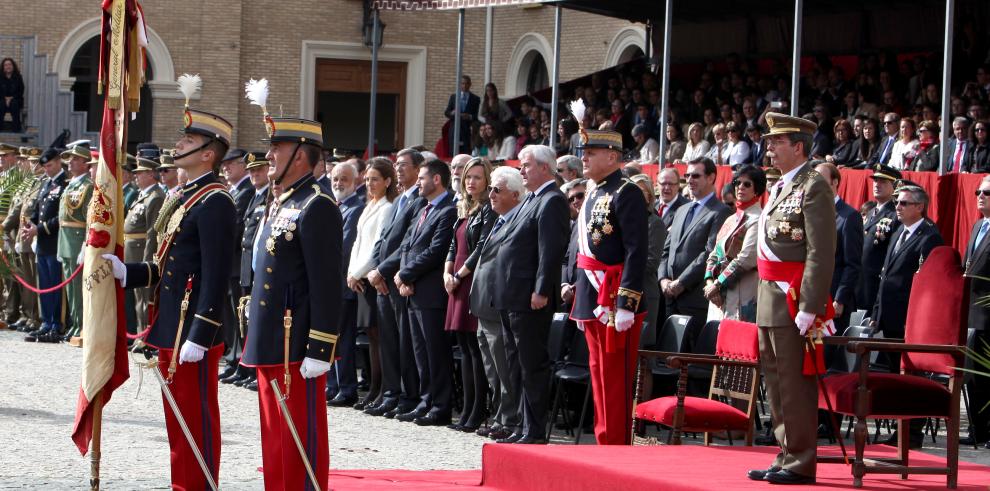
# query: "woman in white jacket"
379 179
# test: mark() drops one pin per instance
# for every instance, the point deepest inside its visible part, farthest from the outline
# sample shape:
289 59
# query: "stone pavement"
39 384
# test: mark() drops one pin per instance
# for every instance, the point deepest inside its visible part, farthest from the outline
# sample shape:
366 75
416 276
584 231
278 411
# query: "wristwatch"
457 276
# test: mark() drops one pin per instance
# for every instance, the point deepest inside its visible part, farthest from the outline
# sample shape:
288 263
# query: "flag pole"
94 452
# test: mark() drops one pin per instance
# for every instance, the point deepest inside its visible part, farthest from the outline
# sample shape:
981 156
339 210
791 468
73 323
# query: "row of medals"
790 206
599 225
281 226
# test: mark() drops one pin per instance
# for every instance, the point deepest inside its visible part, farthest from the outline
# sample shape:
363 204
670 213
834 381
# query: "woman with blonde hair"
475 218
697 146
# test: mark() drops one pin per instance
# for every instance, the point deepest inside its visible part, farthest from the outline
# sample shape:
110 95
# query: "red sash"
607 292
792 272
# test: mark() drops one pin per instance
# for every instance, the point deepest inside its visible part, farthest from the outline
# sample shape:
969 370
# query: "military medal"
599 224
797 234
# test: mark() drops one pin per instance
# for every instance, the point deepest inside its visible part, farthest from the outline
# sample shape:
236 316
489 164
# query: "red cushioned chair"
735 378
934 334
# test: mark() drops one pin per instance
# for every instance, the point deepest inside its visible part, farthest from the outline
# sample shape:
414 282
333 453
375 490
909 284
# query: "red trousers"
612 380
194 388
307 403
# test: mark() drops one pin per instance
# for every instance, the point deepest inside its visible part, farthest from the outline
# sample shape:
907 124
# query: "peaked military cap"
6 149
294 130
881 171
782 124
255 159
611 140
77 151
234 154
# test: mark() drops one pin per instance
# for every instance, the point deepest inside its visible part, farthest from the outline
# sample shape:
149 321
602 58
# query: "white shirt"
232 187
694 152
369 228
897 160
736 153
649 151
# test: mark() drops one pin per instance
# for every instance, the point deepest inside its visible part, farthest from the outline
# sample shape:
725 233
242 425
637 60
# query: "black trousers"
526 335
388 328
231 327
431 347
978 390
472 379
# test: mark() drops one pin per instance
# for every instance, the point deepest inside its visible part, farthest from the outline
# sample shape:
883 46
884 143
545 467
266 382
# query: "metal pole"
649 32
554 77
668 14
374 84
950 10
456 144
489 22
796 60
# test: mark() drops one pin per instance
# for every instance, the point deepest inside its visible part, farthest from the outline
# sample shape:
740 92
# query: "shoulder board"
318 192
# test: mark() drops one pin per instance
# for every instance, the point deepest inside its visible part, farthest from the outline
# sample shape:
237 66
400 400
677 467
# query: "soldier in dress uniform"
11 289
188 277
25 200
257 168
879 227
140 236
795 261
295 305
72 230
44 227
612 250
234 172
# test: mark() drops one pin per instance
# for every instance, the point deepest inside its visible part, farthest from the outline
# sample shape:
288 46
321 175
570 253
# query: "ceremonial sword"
295 434
183 425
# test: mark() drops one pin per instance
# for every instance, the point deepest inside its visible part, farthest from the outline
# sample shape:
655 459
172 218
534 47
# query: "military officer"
234 172
879 227
12 299
43 227
188 277
25 199
295 302
612 250
795 252
72 229
140 236
257 168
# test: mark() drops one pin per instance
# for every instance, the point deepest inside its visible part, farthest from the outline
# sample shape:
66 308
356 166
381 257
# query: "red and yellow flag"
122 58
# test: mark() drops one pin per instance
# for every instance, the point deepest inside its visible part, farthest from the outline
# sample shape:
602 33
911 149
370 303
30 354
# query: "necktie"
979 235
690 214
957 158
422 218
498 225
885 154
402 203
663 206
902 240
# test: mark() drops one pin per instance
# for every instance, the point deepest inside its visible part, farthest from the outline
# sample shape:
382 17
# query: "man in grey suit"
526 290
691 239
400 380
507 192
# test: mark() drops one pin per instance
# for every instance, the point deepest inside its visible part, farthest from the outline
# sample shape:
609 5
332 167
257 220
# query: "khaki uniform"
11 288
71 236
798 225
141 242
24 203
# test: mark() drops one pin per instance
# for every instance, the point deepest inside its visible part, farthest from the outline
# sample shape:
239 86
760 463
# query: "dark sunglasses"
890 122
746 184
901 202
980 130
576 197
983 192
495 189
694 176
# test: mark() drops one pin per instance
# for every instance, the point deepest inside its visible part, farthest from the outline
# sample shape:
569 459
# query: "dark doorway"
345 120
84 68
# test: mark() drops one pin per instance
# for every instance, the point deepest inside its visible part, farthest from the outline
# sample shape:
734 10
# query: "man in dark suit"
891 126
879 226
758 148
234 170
575 192
469 105
526 289
848 251
910 245
690 241
507 192
959 148
669 197
420 279
343 376
400 380
978 265
44 226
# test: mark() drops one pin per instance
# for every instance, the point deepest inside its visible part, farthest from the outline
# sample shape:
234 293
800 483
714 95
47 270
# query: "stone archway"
623 46
531 48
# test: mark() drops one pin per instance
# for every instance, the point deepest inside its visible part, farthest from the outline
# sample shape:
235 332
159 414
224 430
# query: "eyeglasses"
983 192
980 130
561 170
495 189
746 184
694 176
901 202
576 197
890 122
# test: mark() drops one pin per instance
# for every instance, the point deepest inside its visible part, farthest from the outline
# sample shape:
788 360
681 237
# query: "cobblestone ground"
39 384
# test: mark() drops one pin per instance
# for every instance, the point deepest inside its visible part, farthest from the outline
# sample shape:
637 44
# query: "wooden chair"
735 376
932 344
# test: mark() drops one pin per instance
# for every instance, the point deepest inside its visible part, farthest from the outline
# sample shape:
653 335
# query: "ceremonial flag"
122 59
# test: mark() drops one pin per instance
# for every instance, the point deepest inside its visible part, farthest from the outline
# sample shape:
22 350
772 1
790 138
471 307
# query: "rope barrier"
40 291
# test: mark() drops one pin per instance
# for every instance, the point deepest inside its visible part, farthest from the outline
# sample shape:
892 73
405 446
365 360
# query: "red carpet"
688 467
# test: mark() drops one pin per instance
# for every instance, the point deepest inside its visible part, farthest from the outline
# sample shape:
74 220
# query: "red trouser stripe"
612 380
194 388
283 467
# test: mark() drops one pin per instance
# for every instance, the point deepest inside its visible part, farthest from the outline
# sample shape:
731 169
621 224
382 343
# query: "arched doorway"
631 53
84 69
536 76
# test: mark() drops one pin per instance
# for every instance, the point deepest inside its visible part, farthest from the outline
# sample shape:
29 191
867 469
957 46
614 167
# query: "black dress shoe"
513 438
499 433
233 379
360 405
252 385
392 413
411 415
785 476
455 427
229 371
483 431
433 419
761 474
531 440
381 409
246 380
50 337
470 427
341 400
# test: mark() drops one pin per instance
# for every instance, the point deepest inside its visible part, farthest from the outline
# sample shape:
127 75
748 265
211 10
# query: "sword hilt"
287 325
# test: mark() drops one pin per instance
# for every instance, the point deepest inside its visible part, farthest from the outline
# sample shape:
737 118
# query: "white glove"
623 320
82 255
119 271
191 352
312 368
804 321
